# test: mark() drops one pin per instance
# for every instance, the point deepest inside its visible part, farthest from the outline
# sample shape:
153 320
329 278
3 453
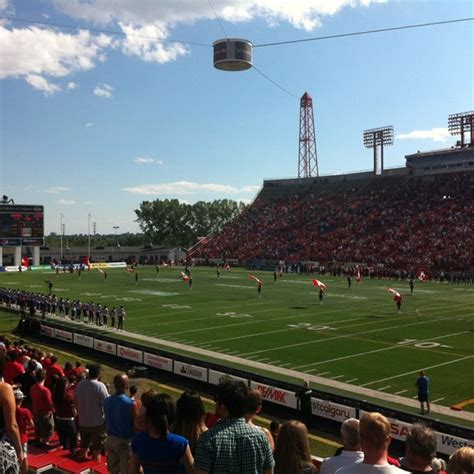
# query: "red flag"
25 261
395 293
319 284
254 278
184 276
422 276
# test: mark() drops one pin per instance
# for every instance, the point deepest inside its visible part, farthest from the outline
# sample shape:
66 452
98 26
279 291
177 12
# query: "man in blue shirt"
120 413
423 383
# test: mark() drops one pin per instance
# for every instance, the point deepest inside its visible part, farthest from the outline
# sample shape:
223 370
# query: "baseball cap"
18 394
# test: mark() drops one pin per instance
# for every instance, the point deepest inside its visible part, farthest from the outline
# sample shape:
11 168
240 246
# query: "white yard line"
383 388
417 370
286 364
437 400
401 391
351 380
345 336
273 362
337 377
323 373
395 346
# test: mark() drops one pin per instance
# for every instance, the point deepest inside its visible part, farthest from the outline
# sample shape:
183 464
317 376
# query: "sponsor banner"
40 267
130 354
63 335
99 265
47 331
15 269
446 444
191 371
275 394
216 261
331 411
216 377
32 242
10 242
117 265
107 347
162 363
82 340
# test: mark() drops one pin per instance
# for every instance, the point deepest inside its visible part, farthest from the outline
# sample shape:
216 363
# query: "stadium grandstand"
419 216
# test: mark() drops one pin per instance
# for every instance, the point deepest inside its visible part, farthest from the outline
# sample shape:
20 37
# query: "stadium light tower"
460 124
307 154
378 137
62 230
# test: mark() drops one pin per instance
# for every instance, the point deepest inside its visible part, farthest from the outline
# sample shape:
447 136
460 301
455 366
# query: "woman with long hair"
190 417
157 450
12 458
292 454
63 400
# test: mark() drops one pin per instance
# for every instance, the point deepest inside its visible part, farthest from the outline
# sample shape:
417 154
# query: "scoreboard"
21 225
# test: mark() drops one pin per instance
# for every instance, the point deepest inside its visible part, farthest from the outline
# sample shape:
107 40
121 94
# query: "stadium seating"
397 222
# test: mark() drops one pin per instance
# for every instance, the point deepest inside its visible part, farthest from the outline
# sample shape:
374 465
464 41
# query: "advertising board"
191 371
104 346
130 354
63 335
275 395
162 363
83 340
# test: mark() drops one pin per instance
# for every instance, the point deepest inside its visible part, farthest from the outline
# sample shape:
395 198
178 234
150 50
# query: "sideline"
446 411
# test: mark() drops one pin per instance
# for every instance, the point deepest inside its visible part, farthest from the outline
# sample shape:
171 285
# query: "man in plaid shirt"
233 446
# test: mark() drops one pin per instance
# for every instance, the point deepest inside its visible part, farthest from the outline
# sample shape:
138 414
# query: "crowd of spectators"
400 223
153 434
38 304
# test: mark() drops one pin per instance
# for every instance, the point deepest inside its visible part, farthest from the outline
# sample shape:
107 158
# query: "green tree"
169 222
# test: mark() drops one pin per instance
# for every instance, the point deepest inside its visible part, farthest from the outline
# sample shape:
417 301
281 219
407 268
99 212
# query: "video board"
21 225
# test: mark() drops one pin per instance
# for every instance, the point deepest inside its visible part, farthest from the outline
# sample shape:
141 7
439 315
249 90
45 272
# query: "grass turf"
355 336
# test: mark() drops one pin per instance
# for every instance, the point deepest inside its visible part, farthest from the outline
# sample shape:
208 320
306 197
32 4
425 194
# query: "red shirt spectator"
78 370
24 418
41 400
53 369
12 368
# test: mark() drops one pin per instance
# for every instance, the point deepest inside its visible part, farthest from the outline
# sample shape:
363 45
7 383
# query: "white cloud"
66 202
3 5
103 90
89 124
40 51
149 49
303 14
42 84
145 160
182 188
56 190
435 134
72 85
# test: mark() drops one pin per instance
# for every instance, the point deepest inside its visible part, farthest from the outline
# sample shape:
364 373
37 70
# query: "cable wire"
367 32
274 82
100 30
217 18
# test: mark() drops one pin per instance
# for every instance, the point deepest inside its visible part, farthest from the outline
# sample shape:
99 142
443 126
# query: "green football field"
355 338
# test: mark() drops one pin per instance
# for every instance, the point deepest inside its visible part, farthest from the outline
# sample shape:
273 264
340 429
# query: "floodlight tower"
307 154
459 124
378 137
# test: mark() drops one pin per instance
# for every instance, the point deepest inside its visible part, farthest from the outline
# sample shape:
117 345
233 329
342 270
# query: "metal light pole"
89 236
61 232
116 228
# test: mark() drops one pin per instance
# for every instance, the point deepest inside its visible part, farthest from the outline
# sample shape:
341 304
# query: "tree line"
169 222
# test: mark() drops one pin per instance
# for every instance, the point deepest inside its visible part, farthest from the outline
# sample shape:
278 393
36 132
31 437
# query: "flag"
319 284
25 261
184 276
358 276
395 293
422 276
254 278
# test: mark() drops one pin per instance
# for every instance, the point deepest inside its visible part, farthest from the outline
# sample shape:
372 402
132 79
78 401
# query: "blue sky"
97 123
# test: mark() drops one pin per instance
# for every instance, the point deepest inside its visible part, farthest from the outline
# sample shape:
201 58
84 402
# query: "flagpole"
89 236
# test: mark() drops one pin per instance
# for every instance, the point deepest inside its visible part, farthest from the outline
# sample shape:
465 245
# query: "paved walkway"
320 381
